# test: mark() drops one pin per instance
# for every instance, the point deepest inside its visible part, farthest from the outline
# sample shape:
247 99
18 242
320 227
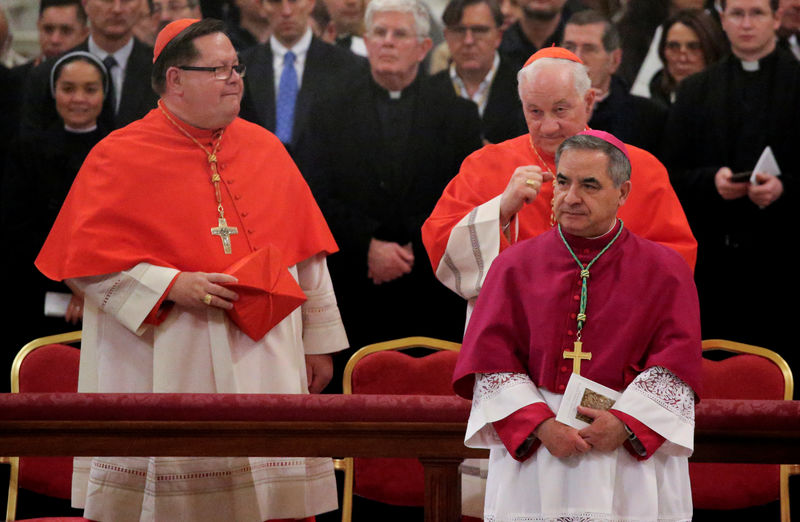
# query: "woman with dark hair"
39 172
691 40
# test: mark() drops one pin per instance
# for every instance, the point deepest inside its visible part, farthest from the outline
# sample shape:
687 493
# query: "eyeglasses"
676 47
738 16
223 72
478 31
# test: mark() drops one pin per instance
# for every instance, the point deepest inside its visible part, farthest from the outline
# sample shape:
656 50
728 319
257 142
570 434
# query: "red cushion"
51 368
742 376
398 481
736 486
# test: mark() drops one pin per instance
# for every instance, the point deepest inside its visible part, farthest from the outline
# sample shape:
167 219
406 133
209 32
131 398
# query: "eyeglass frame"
677 47
240 69
477 31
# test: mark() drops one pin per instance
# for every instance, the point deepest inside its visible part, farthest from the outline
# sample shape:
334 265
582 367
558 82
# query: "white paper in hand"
766 165
584 392
55 303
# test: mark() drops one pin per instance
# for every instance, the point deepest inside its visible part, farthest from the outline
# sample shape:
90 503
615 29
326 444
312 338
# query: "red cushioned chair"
754 373
383 369
47 364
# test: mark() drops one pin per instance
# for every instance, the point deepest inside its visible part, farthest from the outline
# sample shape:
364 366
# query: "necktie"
110 62
287 95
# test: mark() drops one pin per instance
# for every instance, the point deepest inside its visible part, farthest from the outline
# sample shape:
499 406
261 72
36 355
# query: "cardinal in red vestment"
201 254
504 192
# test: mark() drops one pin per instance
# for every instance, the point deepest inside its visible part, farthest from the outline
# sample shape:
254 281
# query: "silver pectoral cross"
224 232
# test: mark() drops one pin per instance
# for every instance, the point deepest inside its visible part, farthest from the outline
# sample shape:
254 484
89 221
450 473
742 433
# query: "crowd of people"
385 159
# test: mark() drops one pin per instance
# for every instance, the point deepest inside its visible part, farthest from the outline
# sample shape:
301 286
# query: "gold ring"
530 182
207 299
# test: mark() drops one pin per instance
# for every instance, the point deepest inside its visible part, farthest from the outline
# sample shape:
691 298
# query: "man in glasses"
168 234
478 73
633 119
723 120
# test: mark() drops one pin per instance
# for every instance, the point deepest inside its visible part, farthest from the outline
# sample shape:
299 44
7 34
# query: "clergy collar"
583 245
757 65
395 95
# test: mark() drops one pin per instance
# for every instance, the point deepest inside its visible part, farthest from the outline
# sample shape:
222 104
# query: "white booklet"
55 303
766 164
584 392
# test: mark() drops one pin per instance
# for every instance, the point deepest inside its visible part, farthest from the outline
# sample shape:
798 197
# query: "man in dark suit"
478 73
377 160
128 60
633 119
719 126
292 70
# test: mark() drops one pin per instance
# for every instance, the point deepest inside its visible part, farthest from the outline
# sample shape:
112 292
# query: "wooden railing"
430 428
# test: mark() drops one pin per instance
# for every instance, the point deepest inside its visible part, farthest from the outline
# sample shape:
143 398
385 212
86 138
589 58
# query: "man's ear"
624 192
173 80
616 59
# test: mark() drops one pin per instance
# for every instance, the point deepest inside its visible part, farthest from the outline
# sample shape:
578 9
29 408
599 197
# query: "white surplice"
592 487
200 351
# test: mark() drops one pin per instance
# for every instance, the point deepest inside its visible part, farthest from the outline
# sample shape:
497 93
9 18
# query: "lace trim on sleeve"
667 390
489 385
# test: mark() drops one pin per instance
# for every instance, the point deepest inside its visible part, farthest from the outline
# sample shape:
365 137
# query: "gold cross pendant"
224 232
577 355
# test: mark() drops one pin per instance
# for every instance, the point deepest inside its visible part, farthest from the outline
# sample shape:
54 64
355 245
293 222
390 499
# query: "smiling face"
750 26
79 94
205 101
584 196
554 110
394 50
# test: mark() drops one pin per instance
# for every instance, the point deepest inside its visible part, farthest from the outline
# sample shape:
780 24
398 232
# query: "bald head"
556 99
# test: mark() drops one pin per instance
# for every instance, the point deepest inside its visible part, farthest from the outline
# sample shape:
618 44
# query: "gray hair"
579 74
619 168
422 21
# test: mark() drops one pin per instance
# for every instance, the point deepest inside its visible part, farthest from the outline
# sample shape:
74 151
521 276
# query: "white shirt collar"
299 49
121 55
481 95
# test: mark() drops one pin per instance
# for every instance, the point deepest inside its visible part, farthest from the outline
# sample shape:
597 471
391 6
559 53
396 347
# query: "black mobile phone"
741 177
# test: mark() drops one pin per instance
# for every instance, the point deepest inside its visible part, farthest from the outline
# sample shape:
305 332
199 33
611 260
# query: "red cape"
144 195
652 210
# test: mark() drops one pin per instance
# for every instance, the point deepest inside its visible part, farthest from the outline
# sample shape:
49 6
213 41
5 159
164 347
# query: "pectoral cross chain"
577 355
224 232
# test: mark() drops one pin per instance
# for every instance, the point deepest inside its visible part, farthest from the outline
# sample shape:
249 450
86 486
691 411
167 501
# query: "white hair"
579 73
422 21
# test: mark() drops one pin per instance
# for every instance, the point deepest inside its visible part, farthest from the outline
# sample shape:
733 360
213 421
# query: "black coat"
363 196
327 68
138 97
742 252
633 119
502 118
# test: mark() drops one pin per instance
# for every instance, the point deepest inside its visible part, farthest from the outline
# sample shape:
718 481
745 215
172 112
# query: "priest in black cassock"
377 160
721 123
